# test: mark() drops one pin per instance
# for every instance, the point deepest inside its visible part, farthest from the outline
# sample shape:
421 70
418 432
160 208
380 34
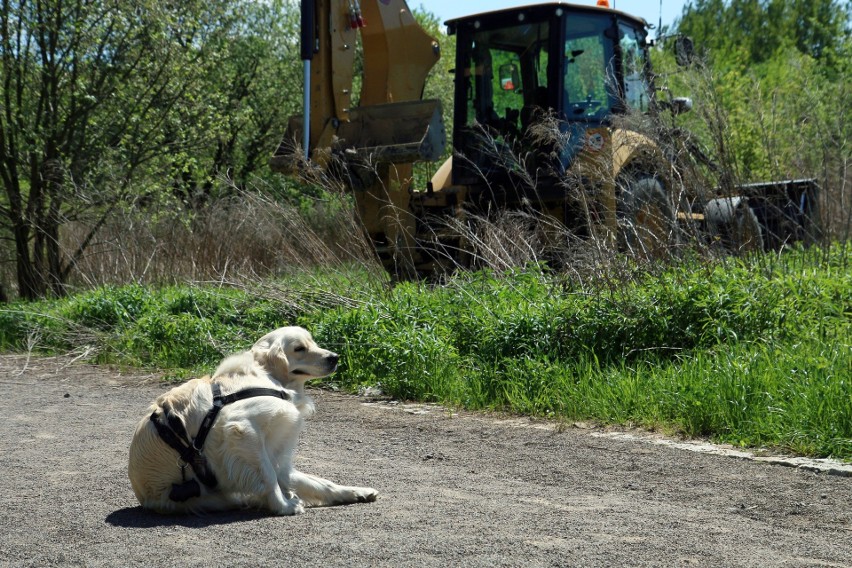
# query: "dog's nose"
333 358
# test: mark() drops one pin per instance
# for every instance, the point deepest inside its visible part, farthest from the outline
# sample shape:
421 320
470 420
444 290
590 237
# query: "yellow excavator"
539 90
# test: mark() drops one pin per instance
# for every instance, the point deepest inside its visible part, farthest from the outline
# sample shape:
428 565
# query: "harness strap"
167 434
188 454
192 453
219 401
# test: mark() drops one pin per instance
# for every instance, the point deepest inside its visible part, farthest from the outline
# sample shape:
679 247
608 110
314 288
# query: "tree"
773 101
755 30
91 91
253 89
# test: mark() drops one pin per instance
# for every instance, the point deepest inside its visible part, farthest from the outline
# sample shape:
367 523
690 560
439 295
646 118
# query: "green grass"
184 329
752 353
794 396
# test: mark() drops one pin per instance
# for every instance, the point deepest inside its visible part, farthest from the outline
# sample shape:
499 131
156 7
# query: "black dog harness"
172 431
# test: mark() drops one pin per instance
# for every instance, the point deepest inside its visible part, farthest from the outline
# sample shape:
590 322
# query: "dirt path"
455 491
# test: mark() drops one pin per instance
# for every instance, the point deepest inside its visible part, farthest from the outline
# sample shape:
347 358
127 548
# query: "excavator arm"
370 144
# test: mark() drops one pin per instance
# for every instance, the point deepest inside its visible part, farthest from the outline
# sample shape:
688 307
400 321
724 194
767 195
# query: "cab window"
634 57
587 79
506 76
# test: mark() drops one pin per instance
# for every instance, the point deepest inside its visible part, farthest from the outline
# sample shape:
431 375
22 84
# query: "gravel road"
456 490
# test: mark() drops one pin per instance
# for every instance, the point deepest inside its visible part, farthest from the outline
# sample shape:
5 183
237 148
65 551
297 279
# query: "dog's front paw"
289 505
290 508
365 494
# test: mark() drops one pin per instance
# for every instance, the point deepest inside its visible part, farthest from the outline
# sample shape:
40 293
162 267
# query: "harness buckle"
182 465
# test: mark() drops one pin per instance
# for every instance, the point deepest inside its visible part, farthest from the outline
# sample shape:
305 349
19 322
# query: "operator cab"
576 64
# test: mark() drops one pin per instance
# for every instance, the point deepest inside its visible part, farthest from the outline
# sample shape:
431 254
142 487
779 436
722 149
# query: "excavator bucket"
395 133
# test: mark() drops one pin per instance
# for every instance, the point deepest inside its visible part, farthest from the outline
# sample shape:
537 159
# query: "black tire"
746 232
734 225
646 221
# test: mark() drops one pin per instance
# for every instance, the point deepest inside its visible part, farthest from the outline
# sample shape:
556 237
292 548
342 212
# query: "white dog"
245 435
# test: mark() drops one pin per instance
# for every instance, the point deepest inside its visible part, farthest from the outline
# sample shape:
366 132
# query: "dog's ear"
269 353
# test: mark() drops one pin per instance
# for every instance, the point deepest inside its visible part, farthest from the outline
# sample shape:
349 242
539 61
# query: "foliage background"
772 93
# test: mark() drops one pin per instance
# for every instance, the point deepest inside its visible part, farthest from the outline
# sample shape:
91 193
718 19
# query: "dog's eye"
299 348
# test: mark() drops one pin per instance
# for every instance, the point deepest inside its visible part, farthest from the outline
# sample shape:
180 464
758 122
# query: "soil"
457 489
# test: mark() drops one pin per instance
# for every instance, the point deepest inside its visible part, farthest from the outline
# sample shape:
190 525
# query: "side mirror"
680 105
684 51
510 80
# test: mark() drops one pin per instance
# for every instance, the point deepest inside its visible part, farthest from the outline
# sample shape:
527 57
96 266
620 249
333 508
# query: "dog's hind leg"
318 492
246 467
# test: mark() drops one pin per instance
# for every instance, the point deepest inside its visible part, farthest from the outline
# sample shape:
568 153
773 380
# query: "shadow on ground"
139 518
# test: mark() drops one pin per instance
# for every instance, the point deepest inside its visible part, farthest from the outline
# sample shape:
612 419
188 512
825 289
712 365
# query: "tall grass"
182 329
748 354
247 236
790 394
752 352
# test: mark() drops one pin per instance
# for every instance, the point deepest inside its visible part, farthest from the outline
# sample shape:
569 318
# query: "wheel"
733 224
746 233
646 221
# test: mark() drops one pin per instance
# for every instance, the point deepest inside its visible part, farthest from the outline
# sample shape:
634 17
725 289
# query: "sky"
648 9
